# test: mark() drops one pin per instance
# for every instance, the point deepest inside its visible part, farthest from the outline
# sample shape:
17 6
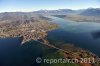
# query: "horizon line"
50 9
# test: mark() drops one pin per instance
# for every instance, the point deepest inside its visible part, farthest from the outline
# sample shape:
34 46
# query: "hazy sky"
33 5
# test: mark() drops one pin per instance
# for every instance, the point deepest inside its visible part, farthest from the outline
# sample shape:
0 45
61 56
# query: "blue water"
82 34
13 53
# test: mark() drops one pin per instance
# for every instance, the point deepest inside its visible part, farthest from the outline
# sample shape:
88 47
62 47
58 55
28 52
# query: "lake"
85 35
13 53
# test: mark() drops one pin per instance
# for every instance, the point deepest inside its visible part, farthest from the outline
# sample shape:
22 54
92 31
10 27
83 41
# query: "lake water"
82 34
12 53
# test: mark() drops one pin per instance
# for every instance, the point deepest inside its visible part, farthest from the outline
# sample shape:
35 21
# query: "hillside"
79 18
91 12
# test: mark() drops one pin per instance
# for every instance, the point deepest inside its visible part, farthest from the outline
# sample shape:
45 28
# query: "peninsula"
28 27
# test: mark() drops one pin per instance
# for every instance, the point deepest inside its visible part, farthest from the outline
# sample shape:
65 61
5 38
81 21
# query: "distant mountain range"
84 12
91 12
54 12
73 14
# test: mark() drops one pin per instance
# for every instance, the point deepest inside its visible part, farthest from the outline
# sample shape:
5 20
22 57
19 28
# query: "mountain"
15 15
55 12
90 12
83 12
83 15
21 15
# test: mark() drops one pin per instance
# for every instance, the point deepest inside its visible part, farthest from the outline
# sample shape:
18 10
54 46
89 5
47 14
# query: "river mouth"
85 35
